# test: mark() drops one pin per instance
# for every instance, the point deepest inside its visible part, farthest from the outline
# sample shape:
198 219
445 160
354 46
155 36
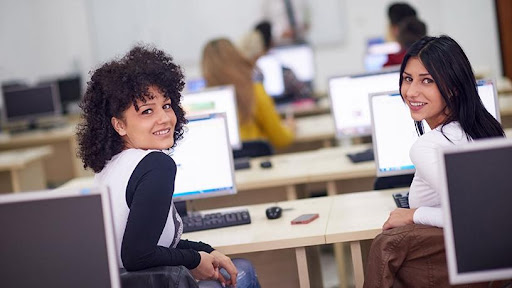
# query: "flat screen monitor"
349 100
30 104
475 194
214 100
272 70
204 159
59 238
70 91
195 84
394 133
298 58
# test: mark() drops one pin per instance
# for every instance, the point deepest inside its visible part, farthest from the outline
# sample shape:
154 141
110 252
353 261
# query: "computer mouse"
266 164
274 212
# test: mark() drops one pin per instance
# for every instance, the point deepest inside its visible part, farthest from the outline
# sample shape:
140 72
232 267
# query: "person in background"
410 30
397 12
438 85
290 19
258 43
223 64
131 117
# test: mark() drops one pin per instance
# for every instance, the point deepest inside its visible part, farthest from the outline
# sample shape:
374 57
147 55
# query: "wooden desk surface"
19 158
264 234
305 167
290 169
37 137
314 128
359 216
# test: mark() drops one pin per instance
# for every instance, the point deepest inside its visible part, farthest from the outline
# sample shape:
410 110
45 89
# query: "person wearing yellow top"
223 64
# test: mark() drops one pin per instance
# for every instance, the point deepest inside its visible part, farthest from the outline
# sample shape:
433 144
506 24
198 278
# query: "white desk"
315 128
64 165
289 170
265 235
22 169
355 217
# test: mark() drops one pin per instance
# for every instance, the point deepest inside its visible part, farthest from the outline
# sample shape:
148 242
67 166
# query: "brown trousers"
409 256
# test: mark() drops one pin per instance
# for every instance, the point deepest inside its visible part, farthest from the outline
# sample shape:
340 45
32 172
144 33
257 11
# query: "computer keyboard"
401 200
215 220
363 156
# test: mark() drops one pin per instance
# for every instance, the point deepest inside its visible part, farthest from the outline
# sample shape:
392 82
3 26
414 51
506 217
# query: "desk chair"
158 277
396 181
254 148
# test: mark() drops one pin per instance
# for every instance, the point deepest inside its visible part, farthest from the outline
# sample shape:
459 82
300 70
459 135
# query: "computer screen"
204 159
300 58
476 209
393 130
29 104
195 84
57 239
377 54
70 91
214 100
272 70
349 100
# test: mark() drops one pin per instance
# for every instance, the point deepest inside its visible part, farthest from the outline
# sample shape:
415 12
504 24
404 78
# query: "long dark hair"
447 63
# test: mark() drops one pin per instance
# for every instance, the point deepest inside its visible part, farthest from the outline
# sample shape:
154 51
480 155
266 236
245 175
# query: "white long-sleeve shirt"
425 187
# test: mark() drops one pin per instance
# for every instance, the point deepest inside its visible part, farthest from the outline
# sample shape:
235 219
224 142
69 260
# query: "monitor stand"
181 208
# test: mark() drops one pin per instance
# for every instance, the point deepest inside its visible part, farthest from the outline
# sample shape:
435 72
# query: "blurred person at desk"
223 64
131 117
397 13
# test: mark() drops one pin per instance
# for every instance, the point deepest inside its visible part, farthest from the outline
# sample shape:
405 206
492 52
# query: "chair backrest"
254 148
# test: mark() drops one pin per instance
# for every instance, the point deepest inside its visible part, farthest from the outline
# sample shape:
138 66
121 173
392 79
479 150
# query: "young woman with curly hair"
131 112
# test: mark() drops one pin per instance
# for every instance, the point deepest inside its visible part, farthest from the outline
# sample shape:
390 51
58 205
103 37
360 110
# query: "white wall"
54 37
41 39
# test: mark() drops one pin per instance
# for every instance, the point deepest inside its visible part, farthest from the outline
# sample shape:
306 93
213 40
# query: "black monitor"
476 201
30 105
70 91
57 239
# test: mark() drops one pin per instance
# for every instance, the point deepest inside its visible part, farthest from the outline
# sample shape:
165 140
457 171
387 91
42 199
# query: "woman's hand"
399 217
208 268
226 263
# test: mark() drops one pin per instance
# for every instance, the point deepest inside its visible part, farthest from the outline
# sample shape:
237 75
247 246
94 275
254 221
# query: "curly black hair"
113 88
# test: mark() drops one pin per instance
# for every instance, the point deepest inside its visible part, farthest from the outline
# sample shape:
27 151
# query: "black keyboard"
215 220
363 156
401 200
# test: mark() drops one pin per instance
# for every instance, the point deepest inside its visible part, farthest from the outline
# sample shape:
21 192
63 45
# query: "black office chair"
158 277
393 182
254 148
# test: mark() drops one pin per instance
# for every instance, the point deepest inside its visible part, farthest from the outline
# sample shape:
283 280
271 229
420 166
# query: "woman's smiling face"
152 126
422 95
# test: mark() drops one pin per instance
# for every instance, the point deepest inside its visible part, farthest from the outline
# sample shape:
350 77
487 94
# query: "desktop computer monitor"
195 84
214 100
59 238
298 58
70 92
349 100
273 80
204 159
475 197
394 132
30 104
